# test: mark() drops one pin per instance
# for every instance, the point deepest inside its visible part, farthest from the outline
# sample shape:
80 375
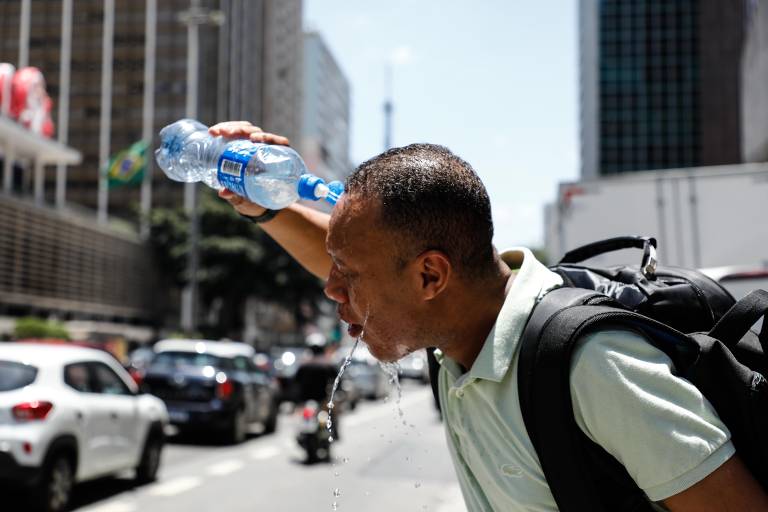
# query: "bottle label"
232 164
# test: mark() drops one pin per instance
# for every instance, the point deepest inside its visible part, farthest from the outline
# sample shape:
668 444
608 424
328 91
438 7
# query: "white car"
69 414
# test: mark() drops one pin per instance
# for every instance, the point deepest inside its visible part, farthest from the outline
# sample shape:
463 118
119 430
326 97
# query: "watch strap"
264 217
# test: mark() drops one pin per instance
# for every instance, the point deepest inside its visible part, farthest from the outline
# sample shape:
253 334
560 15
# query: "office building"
249 68
659 84
63 263
326 104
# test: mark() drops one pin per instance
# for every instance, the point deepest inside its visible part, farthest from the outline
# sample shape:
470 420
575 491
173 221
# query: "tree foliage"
34 327
237 260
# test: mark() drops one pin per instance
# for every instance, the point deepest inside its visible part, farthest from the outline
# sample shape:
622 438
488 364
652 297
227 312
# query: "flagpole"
106 107
149 113
64 79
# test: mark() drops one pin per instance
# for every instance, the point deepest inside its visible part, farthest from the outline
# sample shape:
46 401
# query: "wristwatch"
264 217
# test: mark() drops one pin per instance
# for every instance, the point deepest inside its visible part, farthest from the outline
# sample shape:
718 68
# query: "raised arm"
300 230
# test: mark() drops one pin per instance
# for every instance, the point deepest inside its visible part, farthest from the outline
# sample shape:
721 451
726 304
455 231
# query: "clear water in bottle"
269 175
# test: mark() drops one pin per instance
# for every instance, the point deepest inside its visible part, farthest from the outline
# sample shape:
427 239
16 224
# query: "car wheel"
238 429
149 464
56 484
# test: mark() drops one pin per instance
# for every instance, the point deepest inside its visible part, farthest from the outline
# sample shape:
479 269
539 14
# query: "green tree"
237 260
34 327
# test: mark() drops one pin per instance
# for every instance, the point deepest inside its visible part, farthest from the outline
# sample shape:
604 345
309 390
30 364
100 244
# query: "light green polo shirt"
625 398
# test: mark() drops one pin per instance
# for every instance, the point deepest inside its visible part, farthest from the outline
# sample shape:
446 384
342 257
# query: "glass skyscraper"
659 84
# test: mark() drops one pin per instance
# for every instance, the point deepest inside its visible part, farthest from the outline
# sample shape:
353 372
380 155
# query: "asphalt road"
384 462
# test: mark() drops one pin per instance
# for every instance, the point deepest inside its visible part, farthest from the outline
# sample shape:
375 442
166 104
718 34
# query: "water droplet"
369 459
330 405
381 435
407 459
336 492
367 493
412 425
345 460
386 398
417 485
335 506
330 439
335 473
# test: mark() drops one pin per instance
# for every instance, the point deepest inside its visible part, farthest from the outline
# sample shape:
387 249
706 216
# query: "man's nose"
335 290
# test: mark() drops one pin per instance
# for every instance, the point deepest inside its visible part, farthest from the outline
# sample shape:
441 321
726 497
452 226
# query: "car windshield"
185 359
16 375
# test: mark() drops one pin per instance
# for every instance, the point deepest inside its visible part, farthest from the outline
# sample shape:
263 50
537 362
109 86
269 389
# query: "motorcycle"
314 435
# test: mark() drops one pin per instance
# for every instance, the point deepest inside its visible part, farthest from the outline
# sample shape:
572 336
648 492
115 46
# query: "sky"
493 80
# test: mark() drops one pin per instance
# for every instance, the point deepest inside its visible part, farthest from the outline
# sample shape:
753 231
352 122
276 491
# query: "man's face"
376 297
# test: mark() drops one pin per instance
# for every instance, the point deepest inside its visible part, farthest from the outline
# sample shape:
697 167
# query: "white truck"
701 217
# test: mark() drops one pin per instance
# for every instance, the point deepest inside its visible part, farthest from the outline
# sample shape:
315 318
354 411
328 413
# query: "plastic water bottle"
272 176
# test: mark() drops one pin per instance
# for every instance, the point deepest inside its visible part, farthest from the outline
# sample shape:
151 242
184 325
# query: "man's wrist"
261 218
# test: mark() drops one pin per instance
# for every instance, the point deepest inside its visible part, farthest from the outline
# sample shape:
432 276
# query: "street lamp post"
193 18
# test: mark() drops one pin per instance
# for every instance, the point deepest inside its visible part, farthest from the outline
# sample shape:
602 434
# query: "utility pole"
193 18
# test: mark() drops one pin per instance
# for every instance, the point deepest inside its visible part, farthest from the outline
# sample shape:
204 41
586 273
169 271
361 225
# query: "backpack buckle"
650 262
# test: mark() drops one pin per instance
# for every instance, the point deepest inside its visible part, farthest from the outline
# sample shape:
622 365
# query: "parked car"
414 366
212 385
369 379
70 414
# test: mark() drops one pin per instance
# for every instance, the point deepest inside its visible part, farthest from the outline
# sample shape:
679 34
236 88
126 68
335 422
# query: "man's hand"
244 130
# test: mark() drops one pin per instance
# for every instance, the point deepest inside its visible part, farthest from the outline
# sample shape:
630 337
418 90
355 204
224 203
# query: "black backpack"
682 312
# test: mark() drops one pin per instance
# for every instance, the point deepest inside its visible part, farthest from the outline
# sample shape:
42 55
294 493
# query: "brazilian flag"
127 167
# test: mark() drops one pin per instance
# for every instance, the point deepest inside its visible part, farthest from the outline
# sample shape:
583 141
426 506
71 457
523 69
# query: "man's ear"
435 271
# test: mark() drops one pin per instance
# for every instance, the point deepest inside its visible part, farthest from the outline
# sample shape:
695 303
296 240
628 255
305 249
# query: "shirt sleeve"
660 427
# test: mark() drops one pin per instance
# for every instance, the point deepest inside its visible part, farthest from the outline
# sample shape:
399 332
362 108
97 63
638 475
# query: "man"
407 255
315 376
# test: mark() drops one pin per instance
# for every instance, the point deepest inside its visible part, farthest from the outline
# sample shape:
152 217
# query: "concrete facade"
326 110
250 68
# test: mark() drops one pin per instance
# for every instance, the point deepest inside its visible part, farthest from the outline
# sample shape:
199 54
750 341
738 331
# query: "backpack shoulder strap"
575 468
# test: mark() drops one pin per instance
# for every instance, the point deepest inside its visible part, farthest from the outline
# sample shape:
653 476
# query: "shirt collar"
530 283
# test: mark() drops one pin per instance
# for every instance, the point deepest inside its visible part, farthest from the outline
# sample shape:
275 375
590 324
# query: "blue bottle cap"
306 186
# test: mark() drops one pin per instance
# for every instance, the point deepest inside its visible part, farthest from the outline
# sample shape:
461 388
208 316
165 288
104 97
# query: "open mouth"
355 330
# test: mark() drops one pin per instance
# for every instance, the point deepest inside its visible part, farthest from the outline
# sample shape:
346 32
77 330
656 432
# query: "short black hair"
434 200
